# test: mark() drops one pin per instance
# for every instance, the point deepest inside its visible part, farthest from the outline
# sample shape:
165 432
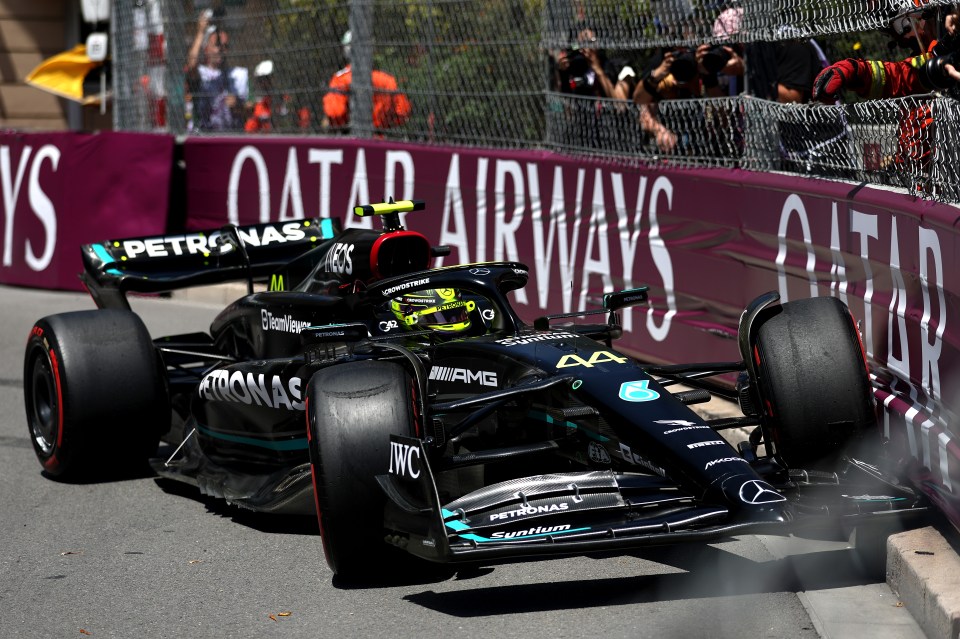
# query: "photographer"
678 74
584 70
219 90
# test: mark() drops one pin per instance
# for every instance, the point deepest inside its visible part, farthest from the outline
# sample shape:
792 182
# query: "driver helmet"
439 309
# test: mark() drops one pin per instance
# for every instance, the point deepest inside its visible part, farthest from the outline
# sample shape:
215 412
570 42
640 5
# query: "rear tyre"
814 387
352 409
94 394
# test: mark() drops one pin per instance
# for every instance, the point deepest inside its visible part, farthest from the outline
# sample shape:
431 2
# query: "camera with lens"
716 58
577 71
213 15
685 68
934 73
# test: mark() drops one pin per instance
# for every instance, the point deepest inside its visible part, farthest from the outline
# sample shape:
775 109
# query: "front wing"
602 511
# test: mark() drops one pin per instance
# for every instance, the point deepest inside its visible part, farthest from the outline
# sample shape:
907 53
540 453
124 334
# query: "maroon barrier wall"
64 189
706 241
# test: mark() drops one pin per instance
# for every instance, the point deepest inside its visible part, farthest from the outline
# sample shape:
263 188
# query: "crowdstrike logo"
677 430
389 292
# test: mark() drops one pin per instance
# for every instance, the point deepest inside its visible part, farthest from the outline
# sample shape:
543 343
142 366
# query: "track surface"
147 558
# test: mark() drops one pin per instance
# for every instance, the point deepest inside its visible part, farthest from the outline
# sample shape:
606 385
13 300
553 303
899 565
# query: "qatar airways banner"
705 241
61 190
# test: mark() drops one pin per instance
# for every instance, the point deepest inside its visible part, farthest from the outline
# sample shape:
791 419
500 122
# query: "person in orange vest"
933 66
390 107
274 112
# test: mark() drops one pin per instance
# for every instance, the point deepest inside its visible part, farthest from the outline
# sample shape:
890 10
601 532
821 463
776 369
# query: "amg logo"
725 459
449 374
716 442
402 460
203 244
388 292
224 386
539 530
530 510
529 339
287 324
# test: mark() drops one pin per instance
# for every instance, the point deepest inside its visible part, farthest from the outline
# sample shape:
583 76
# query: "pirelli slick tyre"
352 409
814 386
94 393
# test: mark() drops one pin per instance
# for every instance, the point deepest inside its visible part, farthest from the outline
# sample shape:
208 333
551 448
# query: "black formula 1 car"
417 415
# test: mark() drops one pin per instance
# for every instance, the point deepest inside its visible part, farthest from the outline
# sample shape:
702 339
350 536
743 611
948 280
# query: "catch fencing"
477 73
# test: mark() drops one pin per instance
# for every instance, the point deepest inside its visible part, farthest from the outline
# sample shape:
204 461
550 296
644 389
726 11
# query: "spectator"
725 27
391 108
781 71
273 112
219 91
584 70
674 74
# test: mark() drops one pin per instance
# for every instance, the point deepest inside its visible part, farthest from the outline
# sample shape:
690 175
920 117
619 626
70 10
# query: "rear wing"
160 263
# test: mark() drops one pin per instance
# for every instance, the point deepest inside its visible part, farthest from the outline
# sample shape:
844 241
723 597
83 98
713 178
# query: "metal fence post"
361 64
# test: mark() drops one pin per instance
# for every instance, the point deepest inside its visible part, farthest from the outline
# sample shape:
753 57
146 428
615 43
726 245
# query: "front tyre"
95 398
814 387
352 409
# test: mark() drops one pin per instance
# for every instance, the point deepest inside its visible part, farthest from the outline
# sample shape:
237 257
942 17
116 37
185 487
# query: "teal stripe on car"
545 417
105 257
456 526
286 444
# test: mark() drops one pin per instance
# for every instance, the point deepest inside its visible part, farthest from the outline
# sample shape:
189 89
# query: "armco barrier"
706 241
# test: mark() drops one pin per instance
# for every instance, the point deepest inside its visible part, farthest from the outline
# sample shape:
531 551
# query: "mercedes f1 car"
416 413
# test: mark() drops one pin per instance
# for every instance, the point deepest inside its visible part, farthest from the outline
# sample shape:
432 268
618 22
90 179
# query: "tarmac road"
146 558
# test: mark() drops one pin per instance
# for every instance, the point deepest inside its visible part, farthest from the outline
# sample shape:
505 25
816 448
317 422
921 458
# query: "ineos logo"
340 258
402 460
758 492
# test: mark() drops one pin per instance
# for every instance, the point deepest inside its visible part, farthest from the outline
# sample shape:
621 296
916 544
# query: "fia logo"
637 391
402 460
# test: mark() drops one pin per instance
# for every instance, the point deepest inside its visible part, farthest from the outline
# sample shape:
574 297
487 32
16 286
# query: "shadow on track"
711 573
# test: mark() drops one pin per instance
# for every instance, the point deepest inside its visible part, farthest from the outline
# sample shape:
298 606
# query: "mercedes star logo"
759 492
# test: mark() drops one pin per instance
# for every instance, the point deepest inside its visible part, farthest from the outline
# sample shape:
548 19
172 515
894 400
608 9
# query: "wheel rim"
43 405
